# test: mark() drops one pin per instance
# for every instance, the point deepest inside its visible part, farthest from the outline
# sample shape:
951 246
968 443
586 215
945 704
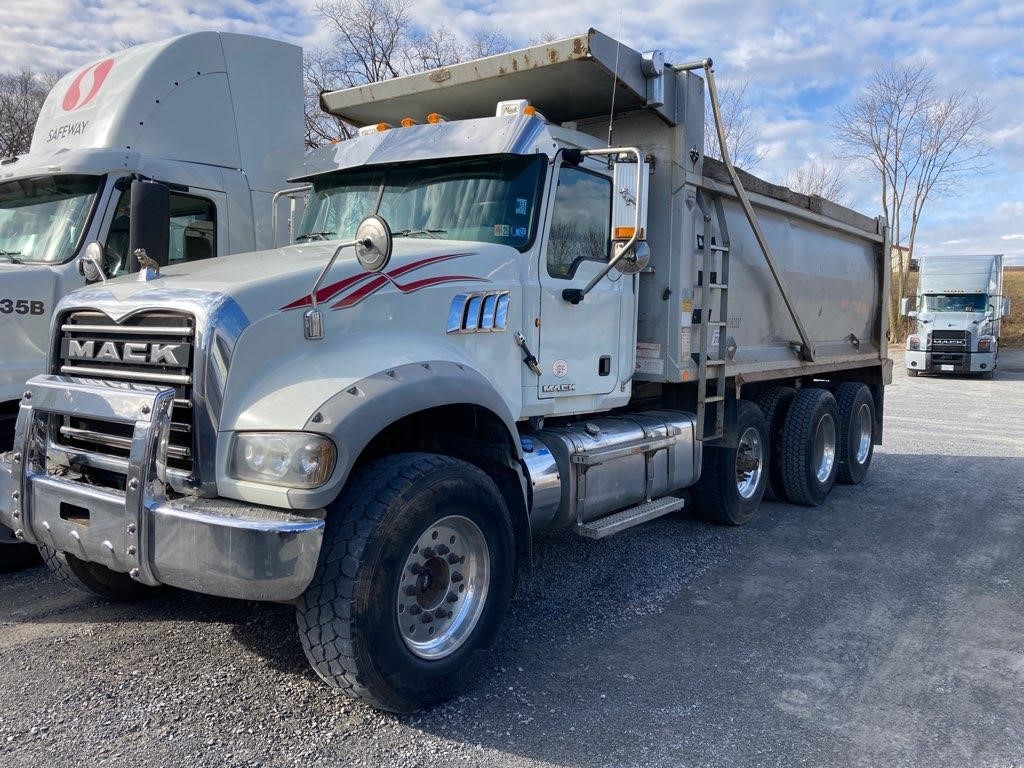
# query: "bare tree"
21 97
737 124
823 179
920 144
377 40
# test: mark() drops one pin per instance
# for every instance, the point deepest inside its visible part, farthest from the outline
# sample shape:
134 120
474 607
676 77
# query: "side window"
193 234
580 220
193 228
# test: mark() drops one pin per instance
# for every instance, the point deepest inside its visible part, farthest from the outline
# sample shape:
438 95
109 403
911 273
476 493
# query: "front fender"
349 388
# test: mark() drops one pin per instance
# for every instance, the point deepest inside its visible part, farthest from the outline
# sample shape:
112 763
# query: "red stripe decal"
328 292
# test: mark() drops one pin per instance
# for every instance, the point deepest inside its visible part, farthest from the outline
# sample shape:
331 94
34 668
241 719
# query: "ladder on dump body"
711 356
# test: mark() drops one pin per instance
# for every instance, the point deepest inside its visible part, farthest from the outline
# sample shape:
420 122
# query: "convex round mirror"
635 262
373 243
90 263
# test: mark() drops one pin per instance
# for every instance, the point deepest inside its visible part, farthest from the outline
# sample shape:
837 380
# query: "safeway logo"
86 85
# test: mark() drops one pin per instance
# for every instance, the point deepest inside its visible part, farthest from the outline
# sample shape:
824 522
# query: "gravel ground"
883 628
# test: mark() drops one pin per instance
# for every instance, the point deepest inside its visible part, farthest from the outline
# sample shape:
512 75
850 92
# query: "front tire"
809 439
415 575
93 578
733 479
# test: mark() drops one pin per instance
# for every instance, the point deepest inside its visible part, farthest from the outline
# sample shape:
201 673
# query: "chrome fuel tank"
609 463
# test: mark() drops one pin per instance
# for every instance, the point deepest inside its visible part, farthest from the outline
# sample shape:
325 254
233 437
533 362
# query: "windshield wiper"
314 236
432 232
12 255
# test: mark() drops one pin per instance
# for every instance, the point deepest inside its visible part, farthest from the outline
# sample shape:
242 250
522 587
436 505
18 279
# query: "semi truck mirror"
373 243
905 307
150 220
90 263
1005 308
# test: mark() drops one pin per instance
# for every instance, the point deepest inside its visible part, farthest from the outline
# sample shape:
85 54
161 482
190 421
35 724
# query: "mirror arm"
330 263
576 295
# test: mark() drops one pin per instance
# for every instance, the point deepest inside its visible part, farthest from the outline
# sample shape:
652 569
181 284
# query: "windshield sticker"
520 231
522 205
502 230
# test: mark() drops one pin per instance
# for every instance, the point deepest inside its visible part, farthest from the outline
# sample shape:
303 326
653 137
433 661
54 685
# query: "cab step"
627 518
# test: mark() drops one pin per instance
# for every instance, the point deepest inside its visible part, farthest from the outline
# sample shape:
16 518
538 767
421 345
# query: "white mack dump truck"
958 309
493 323
214 119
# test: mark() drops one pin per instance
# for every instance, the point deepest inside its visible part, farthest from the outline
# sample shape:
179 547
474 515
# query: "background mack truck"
958 310
506 313
215 117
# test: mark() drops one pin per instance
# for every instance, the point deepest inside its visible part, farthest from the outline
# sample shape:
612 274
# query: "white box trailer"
217 117
958 312
492 323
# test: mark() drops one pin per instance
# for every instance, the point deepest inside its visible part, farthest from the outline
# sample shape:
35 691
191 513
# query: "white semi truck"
215 118
958 311
505 314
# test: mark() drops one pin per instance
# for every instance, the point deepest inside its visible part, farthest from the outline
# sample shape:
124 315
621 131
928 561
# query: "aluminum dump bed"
832 261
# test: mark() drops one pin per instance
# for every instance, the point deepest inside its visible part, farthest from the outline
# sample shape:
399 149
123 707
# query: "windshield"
43 219
958 302
487 200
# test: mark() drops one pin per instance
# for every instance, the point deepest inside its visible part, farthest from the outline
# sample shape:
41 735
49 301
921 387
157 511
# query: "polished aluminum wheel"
864 427
443 587
824 447
749 462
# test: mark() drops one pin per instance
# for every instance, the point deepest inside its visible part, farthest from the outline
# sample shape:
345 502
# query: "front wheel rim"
824 447
749 462
443 587
864 432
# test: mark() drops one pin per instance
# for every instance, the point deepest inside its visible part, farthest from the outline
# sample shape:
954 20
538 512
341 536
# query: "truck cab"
957 311
216 118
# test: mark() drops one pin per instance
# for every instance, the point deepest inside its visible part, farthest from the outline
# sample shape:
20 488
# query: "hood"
950 321
266 282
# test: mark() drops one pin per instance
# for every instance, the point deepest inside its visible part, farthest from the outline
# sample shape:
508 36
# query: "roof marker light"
408 122
368 130
434 118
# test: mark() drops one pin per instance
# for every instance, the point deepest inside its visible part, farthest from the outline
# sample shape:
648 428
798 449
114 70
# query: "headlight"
914 342
985 345
291 459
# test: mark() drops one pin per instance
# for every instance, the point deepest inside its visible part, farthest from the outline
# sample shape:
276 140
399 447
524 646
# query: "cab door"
579 343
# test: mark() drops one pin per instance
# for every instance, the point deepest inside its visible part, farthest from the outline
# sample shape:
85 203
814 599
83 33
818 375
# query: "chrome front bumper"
214 546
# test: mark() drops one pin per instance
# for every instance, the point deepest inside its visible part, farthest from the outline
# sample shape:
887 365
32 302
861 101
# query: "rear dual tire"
733 479
810 434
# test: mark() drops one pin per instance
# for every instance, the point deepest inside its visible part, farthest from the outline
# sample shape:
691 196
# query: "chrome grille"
147 348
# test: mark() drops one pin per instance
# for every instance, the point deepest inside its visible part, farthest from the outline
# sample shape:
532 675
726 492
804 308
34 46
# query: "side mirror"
373 244
90 263
150 221
908 307
1005 309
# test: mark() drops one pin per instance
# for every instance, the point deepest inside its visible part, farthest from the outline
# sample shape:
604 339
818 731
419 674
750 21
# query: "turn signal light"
623 233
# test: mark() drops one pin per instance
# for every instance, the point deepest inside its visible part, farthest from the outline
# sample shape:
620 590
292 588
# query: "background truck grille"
951 340
149 348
